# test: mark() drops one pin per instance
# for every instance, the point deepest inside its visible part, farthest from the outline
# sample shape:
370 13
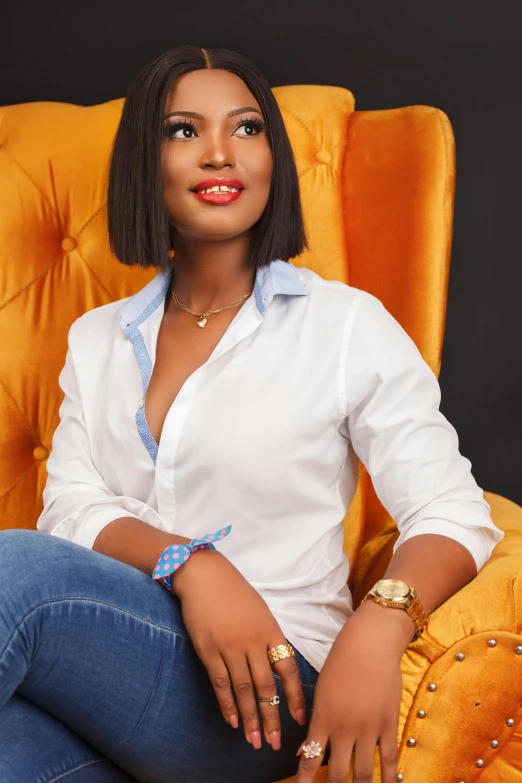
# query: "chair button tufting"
40 453
68 243
323 157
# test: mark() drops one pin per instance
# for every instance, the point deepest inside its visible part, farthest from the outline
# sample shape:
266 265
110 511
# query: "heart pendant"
202 322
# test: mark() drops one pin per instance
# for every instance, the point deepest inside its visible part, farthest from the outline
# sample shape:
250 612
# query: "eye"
252 122
172 128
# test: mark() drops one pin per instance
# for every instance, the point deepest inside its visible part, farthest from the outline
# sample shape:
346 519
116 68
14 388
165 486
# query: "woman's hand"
232 629
357 698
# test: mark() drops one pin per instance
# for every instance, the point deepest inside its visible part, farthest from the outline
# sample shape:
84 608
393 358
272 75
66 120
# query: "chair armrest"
492 601
472 653
477 695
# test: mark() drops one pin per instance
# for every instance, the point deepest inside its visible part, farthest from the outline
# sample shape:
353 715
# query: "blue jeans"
100 682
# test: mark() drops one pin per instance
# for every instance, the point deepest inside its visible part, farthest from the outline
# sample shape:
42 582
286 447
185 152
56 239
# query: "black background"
462 57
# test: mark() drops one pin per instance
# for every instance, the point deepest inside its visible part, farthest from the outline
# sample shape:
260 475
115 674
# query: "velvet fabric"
378 192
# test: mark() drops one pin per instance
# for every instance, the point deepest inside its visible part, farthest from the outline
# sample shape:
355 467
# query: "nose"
218 152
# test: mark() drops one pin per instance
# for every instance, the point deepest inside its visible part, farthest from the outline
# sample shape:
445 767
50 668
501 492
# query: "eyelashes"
171 128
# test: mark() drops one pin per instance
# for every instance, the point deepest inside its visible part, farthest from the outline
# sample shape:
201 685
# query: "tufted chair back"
377 190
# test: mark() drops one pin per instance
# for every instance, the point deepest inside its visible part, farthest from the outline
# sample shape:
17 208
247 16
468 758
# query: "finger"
246 697
339 762
389 753
308 766
222 685
266 688
289 673
363 760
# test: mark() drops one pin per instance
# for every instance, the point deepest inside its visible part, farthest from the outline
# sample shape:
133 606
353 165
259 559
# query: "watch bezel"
385 589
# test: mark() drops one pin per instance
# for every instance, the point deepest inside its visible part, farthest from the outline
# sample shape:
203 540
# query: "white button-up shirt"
310 376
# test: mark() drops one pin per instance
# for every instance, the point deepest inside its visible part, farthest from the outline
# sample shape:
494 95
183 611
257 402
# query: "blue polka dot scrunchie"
176 554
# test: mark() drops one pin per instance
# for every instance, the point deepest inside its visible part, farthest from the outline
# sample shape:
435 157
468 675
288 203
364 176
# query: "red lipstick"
223 197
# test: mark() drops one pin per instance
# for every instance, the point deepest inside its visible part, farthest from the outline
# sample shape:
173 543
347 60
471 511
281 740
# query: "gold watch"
399 595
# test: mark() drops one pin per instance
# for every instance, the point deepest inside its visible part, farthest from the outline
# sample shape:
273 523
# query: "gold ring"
279 652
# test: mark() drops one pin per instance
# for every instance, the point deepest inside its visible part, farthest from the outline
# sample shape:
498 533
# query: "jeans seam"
88 600
75 769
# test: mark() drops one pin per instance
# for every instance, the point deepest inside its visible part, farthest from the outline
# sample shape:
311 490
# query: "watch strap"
414 609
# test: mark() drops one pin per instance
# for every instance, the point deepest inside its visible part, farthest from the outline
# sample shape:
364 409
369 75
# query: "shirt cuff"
479 540
84 525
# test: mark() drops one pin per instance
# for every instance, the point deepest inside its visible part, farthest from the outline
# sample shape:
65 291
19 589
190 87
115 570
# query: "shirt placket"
248 320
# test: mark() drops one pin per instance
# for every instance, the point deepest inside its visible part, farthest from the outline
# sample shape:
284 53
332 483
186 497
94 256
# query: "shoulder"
97 324
333 294
362 317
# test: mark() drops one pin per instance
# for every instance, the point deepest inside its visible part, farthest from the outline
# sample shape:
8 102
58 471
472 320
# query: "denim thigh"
104 649
36 748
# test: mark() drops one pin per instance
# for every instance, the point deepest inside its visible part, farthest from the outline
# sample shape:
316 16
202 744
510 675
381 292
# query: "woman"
228 401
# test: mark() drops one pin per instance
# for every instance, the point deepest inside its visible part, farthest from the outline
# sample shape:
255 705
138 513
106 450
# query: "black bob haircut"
138 219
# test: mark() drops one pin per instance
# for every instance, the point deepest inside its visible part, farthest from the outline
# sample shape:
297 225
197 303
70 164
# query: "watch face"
392 589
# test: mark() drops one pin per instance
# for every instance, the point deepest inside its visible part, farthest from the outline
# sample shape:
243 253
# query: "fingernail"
300 748
300 715
255 736
275 740
233 721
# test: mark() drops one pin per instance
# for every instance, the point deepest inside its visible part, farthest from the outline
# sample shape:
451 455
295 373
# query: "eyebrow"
197 116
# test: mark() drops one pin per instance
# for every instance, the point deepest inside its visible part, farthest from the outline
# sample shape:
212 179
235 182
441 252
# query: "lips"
219 198
213 181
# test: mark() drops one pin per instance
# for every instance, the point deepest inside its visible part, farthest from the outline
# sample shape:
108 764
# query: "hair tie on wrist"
175 555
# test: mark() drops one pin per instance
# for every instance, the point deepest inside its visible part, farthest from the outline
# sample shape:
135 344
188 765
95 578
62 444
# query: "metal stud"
460 656
479 763
510 722
421 714
518 649
432 686
492 643
494 744
411 742
399 778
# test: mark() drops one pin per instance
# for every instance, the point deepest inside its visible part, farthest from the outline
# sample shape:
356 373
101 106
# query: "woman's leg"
34 746
103 648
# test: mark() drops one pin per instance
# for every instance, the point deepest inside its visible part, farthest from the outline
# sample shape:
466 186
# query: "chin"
217 230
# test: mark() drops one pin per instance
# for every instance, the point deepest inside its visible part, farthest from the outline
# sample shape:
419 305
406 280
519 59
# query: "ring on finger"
272 700
312 750
279 652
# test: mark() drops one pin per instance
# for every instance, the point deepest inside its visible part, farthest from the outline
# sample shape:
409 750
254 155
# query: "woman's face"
226 140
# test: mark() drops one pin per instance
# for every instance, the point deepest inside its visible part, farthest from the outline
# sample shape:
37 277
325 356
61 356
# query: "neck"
212 275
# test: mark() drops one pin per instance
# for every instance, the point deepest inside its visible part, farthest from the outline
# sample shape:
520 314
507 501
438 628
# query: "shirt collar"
278 277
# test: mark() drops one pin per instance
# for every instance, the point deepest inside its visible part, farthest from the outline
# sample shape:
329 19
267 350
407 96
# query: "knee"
18 538
18 547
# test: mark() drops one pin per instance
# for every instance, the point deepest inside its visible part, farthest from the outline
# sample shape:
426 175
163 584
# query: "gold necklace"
202 320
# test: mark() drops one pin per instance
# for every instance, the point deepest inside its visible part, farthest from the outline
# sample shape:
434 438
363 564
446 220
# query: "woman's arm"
78 504
411 451
135 542
437 567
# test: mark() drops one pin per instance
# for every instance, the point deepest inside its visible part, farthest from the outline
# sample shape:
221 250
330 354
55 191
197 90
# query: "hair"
138 219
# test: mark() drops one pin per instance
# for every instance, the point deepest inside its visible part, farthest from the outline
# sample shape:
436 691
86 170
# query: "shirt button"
142 403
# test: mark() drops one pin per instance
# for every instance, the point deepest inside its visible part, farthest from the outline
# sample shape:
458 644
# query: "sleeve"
77 502
390 400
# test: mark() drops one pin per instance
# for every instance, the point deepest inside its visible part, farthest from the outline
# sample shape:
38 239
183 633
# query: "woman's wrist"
179 578
375 622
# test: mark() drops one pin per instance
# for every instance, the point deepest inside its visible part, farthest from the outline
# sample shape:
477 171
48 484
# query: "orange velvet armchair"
377 190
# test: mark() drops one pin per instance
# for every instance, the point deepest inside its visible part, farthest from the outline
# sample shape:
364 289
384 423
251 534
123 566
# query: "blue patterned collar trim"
278 277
